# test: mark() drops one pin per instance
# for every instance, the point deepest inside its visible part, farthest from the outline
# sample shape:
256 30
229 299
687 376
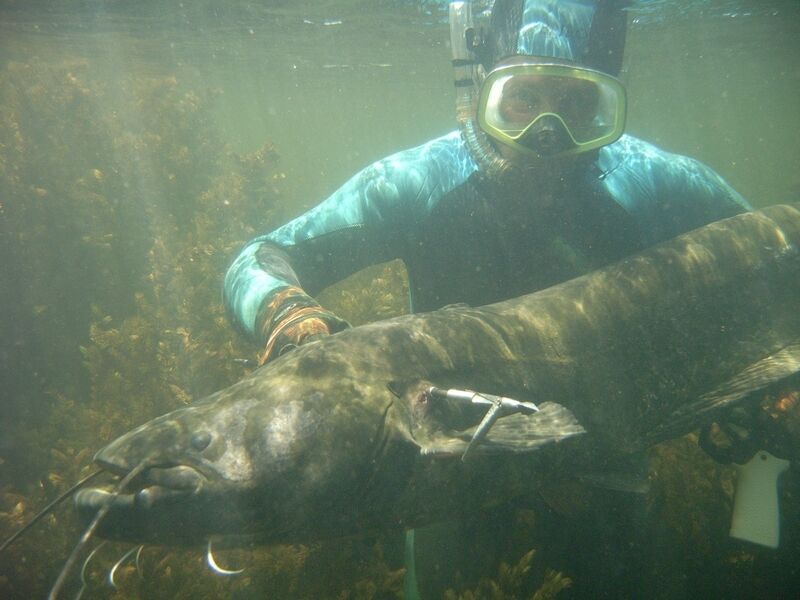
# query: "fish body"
341 436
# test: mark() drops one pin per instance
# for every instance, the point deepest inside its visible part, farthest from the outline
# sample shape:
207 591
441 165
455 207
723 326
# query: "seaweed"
692 496
121 209
512 583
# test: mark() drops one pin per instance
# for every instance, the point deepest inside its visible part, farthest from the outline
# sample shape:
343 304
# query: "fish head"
190 463
271 459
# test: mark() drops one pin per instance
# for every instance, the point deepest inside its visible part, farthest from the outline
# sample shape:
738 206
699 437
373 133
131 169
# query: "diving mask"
551 109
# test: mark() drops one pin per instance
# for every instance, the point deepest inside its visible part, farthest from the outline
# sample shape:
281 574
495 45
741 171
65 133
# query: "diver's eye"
201 440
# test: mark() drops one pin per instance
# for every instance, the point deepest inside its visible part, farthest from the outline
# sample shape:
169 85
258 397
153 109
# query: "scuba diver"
538 185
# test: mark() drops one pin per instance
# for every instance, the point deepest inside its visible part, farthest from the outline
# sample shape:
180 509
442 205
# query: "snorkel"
469 74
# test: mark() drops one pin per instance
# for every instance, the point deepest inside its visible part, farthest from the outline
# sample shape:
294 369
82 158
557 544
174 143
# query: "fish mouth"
154 486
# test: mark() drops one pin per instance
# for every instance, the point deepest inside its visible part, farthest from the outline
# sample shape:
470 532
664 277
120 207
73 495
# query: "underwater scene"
144 144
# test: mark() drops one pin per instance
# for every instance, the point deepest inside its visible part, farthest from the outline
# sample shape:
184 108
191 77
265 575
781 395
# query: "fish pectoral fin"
513 433
773 369
520 433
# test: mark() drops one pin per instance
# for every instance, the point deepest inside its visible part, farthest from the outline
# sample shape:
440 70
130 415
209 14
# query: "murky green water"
140 145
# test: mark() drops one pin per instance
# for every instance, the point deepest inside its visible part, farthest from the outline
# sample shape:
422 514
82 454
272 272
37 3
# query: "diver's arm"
264 298
270 285
263 292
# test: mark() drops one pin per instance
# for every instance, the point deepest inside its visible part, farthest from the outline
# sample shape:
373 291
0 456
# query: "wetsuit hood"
590 33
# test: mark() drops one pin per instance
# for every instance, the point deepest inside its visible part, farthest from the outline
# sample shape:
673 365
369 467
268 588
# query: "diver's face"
527 96
529 102
549 110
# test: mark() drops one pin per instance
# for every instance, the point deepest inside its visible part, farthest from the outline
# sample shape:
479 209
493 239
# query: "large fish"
353 433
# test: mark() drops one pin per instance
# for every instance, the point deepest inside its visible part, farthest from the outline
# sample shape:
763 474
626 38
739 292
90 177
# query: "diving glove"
293 318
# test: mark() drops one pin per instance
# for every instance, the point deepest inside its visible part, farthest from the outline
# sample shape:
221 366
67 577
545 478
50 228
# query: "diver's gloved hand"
296 319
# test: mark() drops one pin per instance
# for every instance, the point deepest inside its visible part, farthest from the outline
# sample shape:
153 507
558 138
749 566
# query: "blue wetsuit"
466 239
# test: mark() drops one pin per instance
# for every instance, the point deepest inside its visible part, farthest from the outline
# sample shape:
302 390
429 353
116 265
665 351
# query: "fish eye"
201 440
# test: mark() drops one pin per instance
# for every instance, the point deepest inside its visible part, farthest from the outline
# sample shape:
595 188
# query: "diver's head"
542 85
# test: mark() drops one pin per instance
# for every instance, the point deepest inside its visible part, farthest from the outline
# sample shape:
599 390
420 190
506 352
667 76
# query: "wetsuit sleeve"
361 224
667 194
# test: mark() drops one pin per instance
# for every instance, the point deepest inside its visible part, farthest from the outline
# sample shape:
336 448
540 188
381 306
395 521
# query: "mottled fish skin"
316 445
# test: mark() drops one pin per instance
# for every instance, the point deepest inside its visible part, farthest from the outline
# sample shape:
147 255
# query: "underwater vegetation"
120 209
510 583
